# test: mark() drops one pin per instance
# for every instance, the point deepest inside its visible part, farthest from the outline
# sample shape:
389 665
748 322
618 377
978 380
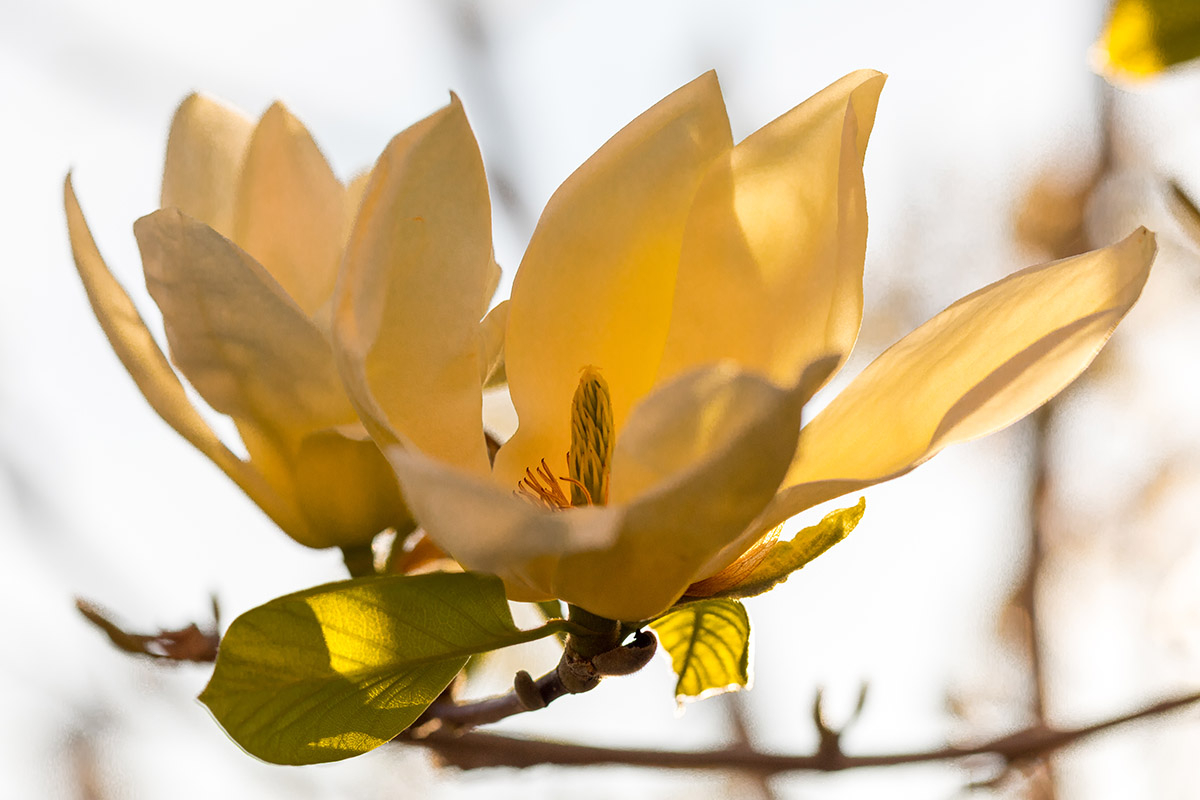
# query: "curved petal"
771 270
734 434
204 158
596 282
487 528
409 298
290 209
346 490
148 367
491 346
1145 37
983 363
355 189
240 340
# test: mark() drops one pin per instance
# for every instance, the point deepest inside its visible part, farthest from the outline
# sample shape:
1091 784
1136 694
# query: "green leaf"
709 643
784 558
338 670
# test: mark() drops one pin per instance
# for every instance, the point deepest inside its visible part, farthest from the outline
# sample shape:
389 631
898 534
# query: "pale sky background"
99 498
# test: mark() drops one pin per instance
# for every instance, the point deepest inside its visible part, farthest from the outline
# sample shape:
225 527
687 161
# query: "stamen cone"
591 440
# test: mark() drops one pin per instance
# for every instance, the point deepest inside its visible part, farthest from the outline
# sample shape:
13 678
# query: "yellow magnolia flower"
242 260
680 301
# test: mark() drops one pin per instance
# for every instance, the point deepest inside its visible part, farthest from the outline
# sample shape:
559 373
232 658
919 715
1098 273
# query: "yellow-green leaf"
709 643
784 558
338 670
1144 37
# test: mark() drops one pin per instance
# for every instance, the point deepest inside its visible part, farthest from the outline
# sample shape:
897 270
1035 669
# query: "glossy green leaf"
709 643
338 670
784 558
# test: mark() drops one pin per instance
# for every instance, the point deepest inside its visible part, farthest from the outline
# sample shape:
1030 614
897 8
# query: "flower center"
590 457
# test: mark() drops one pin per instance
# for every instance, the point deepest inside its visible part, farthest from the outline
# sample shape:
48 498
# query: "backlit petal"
346 490
596 282
236 335
491 346
485 527
204 158
409 299
290 209
772 263
983 363
711 447
1145 37
141 356
355 190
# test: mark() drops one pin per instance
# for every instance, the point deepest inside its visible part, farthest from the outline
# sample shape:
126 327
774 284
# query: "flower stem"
598 634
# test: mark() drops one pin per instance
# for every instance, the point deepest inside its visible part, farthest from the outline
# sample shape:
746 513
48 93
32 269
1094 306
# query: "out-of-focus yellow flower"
1145 37
242 260
714 288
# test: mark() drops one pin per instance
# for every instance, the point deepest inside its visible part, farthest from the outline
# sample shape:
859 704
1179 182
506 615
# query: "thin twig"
481 750
735 706
1031 585
573 675
456 716
184 644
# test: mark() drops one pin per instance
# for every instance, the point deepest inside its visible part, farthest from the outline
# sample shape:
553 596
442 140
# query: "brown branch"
481 750
573 675
739 721
1031 585
185 644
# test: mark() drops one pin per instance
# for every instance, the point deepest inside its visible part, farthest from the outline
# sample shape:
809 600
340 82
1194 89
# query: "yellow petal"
716 442
346 490
236 335
290 209
204 158
409 299
630 560
485 527
354 195
491 346
141 356
772 263
983 363
596 282
1144 37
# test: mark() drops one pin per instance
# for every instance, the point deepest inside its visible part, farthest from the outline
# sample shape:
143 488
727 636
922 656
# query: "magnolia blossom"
714 288
242 260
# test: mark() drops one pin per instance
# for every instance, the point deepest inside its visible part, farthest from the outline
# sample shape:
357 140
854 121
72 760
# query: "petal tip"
1142 239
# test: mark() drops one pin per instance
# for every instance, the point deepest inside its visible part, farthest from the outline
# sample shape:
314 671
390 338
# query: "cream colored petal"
713 445
139 353
204 158
626 561
485 527
491 350
772 263
983 363
596 282
408 302
291 209
236 335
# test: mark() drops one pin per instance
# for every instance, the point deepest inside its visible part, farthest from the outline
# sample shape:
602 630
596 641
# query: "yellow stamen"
547 492
590 458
